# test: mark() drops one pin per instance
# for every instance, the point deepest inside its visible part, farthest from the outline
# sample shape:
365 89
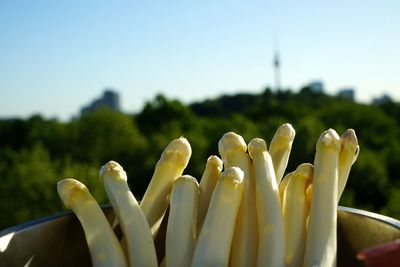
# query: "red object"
387 255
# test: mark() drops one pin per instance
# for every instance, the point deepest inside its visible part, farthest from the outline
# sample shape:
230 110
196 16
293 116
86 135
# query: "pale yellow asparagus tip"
68 188
329 139
114 169
234 174
231 142
257 145
280 148
349 140
215 162
137 234
349 150
178 150
285 134
186 179
306 170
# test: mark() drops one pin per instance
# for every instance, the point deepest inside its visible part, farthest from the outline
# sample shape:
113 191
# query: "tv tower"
277 62
277 71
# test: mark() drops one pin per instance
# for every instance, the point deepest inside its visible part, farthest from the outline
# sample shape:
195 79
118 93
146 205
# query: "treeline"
35 153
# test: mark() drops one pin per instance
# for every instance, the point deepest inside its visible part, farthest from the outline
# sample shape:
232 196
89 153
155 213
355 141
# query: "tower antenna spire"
277 62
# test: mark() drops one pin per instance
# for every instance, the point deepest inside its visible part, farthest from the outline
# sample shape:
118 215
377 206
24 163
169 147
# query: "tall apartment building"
109 99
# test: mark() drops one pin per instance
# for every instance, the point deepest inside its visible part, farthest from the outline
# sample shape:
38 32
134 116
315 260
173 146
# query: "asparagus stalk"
137 235
309 192
295 216
170 166
280 148
244 247
215 239
321 236
349 150
182 222
271 240
211 175
104 247
282 185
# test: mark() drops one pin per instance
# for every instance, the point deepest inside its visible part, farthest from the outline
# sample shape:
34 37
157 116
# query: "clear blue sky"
56 56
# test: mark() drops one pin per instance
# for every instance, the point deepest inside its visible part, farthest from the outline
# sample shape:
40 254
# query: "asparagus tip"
234 173
349 139
286 130
329 138
256 145
113 168
186 178
215 161
66 188
305 169
231 141
179 149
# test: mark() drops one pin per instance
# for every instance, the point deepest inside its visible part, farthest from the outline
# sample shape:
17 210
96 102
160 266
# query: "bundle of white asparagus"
244 212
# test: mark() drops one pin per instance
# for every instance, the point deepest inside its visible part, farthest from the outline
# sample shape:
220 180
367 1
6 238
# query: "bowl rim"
32 223
379 217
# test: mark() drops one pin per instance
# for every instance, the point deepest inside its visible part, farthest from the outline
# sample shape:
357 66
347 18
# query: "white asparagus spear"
233 148
295 216
211 175
321 236
215 239
271 239
104 247
280 148
349 150
309 191
137 235
282 185
170 166
182 222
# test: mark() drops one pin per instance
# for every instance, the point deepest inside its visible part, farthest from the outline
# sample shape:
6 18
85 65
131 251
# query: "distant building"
348 93
110 99
316 87
385 98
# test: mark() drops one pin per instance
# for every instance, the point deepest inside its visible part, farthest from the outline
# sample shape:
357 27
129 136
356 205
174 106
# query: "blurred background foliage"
35 153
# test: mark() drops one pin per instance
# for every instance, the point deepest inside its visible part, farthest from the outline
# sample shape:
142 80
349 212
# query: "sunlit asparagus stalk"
215 239
321 236
104 247
271 240
280 148
137 235
349 150
295 215
211 175
233 148
309 192
170 166
182 222
282 186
